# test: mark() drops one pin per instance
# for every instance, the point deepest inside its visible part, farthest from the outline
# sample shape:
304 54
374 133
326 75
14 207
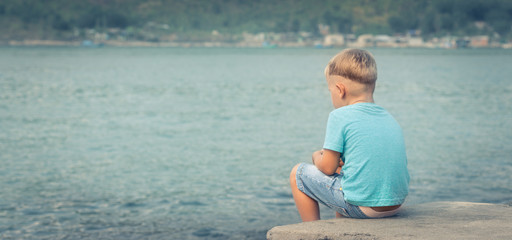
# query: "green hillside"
65 19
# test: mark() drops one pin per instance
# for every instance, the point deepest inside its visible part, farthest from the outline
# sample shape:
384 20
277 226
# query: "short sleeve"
334 133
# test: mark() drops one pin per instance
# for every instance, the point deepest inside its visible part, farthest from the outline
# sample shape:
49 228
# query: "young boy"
361 172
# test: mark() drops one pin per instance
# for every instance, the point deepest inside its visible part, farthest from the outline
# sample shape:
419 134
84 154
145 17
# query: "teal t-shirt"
372 147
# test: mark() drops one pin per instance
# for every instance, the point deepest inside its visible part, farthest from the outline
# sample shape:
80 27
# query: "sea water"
172 143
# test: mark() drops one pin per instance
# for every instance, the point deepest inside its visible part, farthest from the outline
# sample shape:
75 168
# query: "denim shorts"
326 190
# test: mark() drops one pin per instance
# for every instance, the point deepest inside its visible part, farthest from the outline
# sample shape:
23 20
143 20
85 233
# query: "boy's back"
375 164
373 180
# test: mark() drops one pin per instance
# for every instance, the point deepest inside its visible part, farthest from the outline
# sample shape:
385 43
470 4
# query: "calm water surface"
114 143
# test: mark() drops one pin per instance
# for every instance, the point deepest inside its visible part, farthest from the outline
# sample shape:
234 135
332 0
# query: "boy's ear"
342 90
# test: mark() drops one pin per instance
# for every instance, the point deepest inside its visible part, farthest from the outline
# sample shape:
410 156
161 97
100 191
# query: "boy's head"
351 77
356 65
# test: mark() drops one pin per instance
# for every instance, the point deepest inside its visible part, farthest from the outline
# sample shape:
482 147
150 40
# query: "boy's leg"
307 207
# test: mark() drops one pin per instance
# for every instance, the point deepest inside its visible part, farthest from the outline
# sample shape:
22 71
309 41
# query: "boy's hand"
327 161
338 171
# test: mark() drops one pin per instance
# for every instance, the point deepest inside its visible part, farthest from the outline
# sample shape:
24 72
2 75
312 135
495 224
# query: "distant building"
462 43
479 41
334 40
365 40
415 42
384 41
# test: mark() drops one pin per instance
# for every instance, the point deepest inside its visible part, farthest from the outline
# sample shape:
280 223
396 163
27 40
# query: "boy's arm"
327 161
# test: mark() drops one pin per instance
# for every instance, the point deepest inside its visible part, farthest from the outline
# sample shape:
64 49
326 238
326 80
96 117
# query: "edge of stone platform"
436 220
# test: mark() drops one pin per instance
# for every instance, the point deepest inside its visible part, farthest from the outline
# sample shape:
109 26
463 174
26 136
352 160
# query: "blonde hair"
355 64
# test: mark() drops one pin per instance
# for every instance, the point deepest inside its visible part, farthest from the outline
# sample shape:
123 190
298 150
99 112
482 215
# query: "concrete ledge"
437 220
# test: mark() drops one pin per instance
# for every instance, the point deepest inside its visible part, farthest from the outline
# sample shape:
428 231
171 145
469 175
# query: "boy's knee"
293 173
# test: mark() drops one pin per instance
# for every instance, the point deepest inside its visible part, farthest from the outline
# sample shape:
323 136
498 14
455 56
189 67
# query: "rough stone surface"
437 220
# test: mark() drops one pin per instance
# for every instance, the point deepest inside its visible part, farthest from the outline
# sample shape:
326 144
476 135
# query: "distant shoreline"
213 44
